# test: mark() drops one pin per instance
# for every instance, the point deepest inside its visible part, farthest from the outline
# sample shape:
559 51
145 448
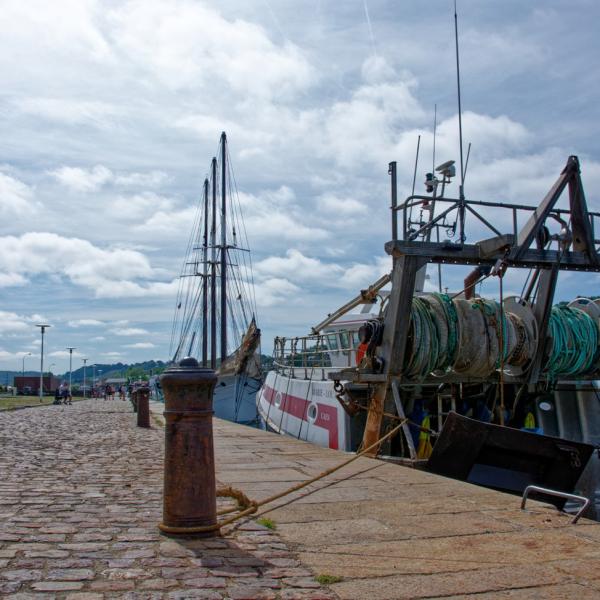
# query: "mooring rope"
248 506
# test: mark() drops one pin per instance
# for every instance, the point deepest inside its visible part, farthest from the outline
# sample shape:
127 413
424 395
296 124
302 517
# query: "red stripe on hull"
327 416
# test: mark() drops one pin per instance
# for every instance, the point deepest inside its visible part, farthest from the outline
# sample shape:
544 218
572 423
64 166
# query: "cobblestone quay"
80 500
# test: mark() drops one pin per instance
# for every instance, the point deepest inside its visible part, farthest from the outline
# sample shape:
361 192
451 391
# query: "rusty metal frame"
513 248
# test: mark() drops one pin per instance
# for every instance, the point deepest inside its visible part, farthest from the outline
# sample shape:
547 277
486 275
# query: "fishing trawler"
215 312
479 384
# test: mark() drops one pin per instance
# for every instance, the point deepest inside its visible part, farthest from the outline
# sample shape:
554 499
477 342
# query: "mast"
223 248
213 269
205 279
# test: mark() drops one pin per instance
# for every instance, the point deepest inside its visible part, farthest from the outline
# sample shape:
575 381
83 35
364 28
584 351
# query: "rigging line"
370 28
416 165
467 159
252 285
183 298
410 212
182 284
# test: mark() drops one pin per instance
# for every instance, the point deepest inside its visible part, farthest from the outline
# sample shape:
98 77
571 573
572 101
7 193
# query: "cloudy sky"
111 110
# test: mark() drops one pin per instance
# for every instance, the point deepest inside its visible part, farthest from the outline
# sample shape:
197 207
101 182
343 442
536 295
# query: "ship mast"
223 248
213 270
205 279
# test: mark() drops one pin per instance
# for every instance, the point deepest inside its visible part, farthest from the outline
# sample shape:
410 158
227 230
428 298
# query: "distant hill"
134 371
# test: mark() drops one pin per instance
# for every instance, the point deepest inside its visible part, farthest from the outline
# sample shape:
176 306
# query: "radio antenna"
434 134
462 169
461 212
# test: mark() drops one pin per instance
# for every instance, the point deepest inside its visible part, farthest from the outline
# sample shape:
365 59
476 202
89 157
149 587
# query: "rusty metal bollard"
189 501
134 400
143 407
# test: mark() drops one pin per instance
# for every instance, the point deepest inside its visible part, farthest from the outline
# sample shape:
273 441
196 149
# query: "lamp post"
70 349
84 367
43 328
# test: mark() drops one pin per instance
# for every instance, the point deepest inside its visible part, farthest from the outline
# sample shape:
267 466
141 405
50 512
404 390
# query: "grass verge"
12 402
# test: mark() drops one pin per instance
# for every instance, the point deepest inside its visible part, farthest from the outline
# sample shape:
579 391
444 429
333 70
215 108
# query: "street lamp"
23 369
70 349
43 328
84 367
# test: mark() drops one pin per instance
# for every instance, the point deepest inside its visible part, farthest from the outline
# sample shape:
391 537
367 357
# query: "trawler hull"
309 410
305 409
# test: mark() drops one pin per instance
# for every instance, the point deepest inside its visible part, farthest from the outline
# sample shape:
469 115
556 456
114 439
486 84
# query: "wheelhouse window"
332 341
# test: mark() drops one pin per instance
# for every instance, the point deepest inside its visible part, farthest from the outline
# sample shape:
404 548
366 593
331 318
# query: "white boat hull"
305 409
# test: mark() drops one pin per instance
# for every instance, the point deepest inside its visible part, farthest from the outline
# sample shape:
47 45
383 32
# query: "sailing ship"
215 311
477 383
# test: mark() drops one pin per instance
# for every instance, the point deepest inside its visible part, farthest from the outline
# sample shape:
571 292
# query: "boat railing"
443 219
313 356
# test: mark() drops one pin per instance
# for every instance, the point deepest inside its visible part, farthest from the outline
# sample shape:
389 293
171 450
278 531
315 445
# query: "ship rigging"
215 312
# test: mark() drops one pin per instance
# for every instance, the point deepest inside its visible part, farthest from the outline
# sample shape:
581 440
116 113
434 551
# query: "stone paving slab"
80 496
80 499
393 532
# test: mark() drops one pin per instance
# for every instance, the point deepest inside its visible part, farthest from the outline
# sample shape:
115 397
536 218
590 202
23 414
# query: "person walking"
64 392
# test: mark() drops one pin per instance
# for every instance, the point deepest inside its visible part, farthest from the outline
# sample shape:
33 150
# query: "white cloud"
11 322
276 214
69 112
15 197
98 338
109 273
7 356
94 178
364 128
168 223
141 345
340 206
138 206
144 180
275 290
12 279
376 69
85 323
130 331
65 354
83 180
297 267
194 46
